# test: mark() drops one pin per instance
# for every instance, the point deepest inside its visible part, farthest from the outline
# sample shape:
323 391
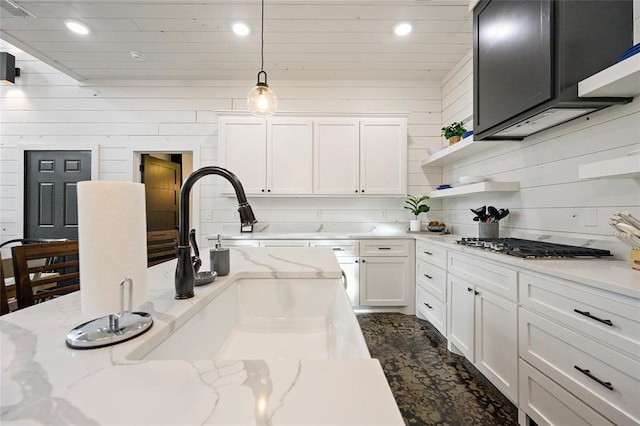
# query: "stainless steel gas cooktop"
530 249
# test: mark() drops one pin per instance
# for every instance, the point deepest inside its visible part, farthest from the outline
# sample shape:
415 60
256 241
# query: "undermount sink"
279 319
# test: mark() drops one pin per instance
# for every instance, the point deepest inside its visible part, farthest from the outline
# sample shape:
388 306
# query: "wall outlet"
591 217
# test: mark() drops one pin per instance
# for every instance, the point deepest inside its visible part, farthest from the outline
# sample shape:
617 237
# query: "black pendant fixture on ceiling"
261 100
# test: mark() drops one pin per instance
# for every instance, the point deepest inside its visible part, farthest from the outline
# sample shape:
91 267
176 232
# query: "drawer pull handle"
587 314
384 248
428 252
336 249
428 305
428 276
591 376
476 292
469 289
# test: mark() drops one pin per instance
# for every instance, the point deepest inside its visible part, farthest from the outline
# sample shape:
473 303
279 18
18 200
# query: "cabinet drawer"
491 276
605 316
432 278
341 248
384 248
432 309
606 380
431 253
549 404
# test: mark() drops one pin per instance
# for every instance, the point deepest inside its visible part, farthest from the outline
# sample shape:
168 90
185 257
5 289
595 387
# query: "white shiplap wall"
49 109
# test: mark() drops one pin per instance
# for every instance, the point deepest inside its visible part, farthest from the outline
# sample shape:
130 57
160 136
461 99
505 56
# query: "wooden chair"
43 271
161 246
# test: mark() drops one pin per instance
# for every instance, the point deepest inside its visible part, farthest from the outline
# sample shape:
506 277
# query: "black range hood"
529 56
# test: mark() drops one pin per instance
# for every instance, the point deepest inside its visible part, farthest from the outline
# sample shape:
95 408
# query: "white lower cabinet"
346 252
483 325
547 403
585 341
384 281
386 273
431 284
432 309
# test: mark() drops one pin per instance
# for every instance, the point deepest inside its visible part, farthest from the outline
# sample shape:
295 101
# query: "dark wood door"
51 200
162 180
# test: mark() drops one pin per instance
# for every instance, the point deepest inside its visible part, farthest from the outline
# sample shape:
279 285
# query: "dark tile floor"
431 385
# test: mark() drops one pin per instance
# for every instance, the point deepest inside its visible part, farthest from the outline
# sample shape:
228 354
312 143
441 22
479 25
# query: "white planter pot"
415 225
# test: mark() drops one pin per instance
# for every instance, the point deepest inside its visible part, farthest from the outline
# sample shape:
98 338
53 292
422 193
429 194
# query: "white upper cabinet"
272 156
336 156
243 152
289 155
383 156
320 155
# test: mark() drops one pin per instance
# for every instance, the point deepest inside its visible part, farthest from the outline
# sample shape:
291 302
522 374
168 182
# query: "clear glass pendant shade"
262 101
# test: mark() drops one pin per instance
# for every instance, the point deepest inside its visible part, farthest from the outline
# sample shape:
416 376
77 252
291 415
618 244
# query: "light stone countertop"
44 382
605 273
608 274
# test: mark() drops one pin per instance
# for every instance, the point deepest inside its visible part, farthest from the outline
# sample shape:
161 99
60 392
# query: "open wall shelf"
619 80
476 188
627 167
465 148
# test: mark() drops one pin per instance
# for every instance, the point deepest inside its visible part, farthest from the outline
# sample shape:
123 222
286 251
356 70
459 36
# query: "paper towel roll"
112 239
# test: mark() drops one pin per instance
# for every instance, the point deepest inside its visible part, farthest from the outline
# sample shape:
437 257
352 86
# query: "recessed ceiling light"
402 29
241 29
77 27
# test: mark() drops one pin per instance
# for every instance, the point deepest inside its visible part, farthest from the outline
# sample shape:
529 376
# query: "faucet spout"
185 273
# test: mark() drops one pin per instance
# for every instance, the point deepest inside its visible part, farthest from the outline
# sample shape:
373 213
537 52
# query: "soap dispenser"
220 259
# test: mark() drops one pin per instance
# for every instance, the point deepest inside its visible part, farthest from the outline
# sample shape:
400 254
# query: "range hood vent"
528 57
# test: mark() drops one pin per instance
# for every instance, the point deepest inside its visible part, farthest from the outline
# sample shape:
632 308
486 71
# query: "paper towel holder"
111 329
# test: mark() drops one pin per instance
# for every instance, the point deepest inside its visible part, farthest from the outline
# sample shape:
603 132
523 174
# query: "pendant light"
261 100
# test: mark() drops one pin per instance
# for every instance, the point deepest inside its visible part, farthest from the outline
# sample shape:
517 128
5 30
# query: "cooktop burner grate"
529 249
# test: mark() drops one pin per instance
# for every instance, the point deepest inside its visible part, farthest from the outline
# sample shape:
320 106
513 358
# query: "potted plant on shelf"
454 132
417 206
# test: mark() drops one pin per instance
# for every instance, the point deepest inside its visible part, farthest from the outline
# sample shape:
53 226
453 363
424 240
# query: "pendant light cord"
262 40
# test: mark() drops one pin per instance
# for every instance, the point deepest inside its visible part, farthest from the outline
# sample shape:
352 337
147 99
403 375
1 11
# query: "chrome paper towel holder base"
111 329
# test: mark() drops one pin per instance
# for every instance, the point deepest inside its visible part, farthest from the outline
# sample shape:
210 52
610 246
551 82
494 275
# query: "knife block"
635 258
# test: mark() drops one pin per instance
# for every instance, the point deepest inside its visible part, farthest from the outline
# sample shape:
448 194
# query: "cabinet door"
289 156
496 341
243 149
336 157
384 281
460 315
351 269
383 156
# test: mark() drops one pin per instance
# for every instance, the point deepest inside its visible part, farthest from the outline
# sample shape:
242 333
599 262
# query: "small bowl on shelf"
466 180
433 228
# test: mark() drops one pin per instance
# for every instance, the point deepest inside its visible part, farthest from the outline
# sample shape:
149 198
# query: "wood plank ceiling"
304 39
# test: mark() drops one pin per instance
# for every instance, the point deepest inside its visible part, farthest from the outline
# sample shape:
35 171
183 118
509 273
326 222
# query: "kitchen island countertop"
44 382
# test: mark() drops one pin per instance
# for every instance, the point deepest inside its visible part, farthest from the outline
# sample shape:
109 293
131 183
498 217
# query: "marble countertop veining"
44 382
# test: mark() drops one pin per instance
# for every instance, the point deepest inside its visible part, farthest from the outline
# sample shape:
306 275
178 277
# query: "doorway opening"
162 173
